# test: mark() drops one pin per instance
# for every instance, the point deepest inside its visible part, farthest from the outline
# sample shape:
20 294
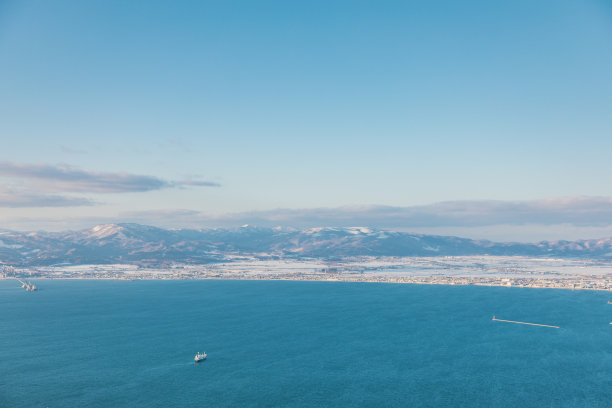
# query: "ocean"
301 344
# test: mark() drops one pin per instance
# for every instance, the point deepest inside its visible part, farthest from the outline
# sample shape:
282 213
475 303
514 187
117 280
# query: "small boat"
200 357
610 303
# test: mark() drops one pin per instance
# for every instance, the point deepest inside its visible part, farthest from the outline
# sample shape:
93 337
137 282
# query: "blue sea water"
301 344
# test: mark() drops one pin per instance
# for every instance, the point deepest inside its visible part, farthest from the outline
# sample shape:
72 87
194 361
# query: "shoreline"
502 271
432 280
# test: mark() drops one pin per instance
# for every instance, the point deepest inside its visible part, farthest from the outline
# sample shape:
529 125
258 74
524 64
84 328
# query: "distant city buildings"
506 271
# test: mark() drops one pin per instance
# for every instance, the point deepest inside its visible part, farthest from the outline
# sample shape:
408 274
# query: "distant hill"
146 245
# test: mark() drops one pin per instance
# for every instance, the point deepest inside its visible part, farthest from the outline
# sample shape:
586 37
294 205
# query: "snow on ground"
13 246
375 267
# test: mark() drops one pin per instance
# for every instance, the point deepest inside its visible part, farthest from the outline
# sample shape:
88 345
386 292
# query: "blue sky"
114 110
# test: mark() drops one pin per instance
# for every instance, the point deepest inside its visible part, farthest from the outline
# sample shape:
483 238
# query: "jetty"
30 287
530 324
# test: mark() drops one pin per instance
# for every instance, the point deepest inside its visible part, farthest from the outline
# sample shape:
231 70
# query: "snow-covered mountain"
146 245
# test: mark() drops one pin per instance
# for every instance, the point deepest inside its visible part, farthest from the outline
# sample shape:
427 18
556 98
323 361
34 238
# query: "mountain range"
156 247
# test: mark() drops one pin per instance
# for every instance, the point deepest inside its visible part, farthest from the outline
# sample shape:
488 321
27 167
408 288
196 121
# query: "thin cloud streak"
64 178
197 183
19 199
575 211
588 212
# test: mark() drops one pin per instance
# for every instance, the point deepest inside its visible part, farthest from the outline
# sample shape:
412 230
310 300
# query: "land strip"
480 271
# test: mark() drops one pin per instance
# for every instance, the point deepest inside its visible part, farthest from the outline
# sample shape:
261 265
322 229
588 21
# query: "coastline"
502 271
566 284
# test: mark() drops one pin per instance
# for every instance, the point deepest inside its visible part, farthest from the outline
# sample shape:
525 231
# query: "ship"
200 357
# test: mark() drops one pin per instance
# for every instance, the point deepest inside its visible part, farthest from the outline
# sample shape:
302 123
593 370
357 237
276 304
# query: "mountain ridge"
153 246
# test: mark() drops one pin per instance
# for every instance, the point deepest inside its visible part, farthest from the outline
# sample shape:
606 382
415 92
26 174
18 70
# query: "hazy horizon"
509 233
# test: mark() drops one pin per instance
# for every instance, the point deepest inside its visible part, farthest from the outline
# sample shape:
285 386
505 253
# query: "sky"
483 119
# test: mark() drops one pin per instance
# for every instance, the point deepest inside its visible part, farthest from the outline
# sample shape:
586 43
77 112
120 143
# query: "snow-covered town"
512 271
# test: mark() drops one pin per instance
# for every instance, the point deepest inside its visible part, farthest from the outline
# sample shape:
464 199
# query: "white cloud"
37 179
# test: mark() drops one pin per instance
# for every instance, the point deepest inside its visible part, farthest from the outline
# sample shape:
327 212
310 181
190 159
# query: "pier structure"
530 324
30 287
